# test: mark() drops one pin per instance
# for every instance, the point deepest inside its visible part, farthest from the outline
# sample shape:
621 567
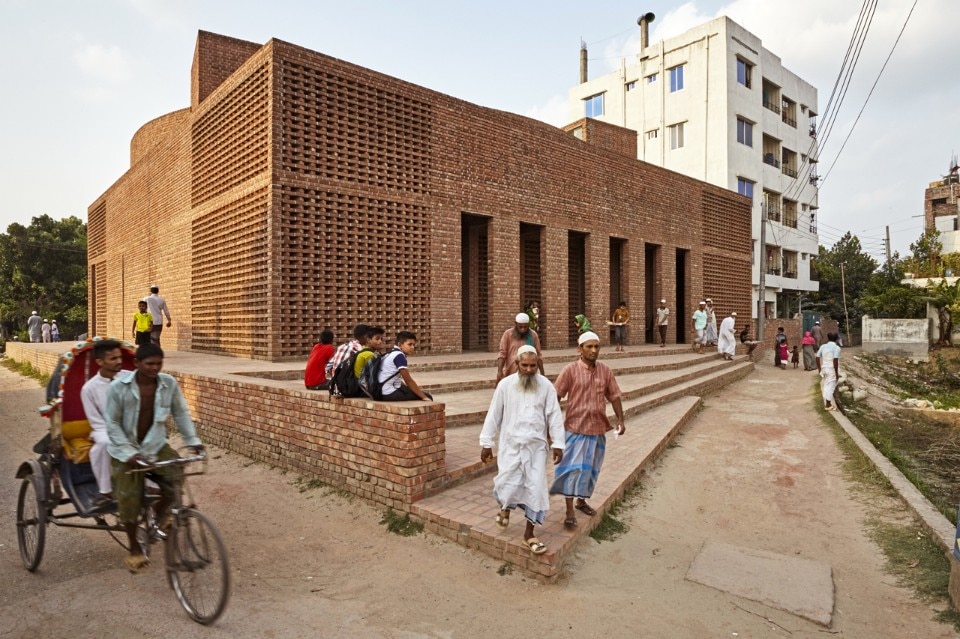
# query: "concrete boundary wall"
390 453
898 337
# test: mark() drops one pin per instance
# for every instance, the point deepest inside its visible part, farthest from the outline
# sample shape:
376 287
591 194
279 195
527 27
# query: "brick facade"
300 192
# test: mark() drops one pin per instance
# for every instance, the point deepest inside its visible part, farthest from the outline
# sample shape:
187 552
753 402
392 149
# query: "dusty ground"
756 469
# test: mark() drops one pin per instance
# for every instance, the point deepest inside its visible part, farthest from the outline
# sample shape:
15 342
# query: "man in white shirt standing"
157 306
94 396
663 319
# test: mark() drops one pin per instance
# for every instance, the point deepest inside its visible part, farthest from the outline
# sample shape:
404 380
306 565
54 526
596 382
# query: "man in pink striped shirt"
589 385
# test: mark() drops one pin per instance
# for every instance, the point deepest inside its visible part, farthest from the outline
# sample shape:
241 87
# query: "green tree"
43 268
887 296
946 298
926 260
845 262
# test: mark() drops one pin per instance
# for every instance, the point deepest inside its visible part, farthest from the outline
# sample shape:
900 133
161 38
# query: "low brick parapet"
389 453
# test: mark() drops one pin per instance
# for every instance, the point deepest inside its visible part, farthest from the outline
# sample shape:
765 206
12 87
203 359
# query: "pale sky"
81 77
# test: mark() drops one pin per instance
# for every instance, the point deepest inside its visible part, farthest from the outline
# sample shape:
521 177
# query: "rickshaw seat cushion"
76 440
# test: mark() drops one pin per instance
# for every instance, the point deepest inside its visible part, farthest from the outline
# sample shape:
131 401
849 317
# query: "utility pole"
888 247
761 302
843 287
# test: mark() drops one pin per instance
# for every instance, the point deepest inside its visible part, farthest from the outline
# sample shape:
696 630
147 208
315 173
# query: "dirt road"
756 469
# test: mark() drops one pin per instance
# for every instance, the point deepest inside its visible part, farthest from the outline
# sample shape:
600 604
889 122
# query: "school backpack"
344 382
370 375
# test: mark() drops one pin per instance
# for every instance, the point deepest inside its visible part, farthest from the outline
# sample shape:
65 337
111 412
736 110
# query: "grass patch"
25 369
504 570
610 527
303 485
912 557
401 525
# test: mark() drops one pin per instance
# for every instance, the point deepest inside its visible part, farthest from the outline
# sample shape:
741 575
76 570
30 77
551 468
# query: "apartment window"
676 136
593 106
676 79
744 73
651 78
631 85
745 187
744 132
652 134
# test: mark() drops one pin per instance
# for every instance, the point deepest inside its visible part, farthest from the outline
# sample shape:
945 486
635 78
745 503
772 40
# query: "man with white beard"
524 410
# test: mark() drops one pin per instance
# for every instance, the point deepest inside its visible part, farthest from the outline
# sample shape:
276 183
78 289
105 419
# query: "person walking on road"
45 332
54 331
809 344
817 333
828 361
589 385
524 416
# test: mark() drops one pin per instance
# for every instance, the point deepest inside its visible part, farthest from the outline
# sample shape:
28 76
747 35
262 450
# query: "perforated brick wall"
302 192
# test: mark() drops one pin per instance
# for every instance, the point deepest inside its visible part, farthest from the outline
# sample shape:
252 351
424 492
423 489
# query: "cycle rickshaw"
58 488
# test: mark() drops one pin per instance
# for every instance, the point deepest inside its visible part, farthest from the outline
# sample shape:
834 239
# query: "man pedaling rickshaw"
138 406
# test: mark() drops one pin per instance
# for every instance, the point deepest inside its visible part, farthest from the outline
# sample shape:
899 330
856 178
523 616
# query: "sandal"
536 546
137 564
570 522
503 520
585 508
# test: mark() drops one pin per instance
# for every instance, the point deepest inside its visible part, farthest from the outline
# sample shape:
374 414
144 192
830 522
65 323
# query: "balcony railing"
788 171
773 214
790 220
771 159
788 120
813 130
773 270
814 179
790 274
773 107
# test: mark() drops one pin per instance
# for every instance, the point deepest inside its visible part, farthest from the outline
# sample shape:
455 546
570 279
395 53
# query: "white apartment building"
714 104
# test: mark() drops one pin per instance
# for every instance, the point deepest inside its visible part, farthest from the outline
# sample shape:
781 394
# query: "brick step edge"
489 383
489 360
653 391
699 388
547 567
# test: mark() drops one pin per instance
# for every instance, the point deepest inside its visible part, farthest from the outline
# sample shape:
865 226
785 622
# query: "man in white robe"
727 341
94 397
524 410
828 361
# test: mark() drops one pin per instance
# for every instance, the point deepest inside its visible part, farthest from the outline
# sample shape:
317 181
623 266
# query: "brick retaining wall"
389 453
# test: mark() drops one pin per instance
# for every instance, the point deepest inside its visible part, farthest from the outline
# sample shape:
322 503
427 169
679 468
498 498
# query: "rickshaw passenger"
94 396
137 409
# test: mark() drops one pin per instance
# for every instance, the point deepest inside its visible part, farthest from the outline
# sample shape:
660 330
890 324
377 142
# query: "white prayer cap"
663 301
709 300
733 314
587 337
526 348
33 313
702 303
522 318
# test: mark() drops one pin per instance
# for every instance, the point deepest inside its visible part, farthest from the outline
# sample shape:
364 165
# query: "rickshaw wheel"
31 523
197 566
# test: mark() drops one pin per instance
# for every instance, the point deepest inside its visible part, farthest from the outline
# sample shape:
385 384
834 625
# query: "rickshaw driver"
137 409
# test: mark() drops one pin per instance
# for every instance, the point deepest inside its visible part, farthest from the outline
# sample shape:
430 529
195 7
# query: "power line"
889 55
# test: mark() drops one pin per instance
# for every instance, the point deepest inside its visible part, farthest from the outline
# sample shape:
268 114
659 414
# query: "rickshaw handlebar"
149 463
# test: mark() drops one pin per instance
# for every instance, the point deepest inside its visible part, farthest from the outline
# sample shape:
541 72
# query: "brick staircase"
661 392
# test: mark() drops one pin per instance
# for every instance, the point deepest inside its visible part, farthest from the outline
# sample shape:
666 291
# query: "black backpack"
370 375
344 382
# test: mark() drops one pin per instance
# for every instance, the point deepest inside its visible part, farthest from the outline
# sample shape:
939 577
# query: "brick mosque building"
300 192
